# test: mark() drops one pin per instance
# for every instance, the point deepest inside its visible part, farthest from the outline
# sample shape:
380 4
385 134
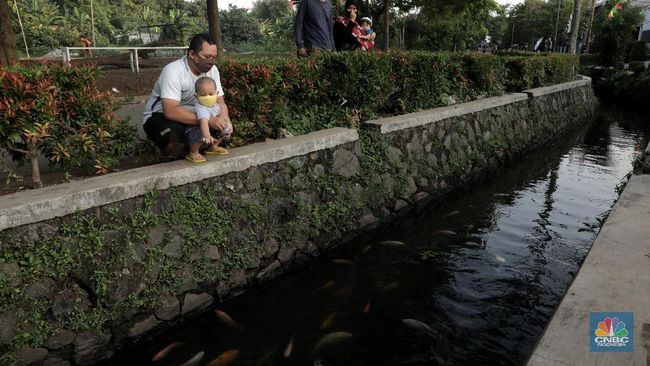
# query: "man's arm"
298 27
173 110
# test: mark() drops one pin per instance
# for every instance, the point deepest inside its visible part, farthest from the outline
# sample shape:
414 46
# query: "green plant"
58 112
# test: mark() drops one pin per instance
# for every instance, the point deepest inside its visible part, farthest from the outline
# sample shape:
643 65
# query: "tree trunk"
575 27
8 51
32 155
387 25
214 24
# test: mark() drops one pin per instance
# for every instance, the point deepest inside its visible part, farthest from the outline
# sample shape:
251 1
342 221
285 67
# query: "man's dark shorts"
163 131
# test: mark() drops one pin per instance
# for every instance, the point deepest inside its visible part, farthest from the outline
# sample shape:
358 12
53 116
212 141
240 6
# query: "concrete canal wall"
90 266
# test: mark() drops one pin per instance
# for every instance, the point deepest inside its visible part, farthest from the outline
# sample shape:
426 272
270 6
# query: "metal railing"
133 53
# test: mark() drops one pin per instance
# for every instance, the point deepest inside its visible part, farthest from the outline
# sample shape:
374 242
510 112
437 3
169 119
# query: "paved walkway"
615 277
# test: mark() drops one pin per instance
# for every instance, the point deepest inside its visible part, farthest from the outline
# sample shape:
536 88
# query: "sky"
223 4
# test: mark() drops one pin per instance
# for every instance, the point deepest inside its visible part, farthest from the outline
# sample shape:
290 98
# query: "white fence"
133 53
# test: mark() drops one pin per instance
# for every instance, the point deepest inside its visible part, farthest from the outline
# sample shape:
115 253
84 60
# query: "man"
171 104
313 27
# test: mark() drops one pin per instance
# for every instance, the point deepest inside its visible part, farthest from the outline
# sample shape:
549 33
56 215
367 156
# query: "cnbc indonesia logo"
610 332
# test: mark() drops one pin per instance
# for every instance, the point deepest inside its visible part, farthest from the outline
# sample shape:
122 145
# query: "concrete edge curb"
396 123
59 200
401 122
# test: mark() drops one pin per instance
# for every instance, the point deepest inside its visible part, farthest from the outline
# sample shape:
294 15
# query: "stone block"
285 254
12 271
195 304
157 234
8 322
270 271
56 362
90 348
174 248
400 205
38 232
40 288
32 356
140 328
170 308
59 339
212 253
270 247
68 300
345 163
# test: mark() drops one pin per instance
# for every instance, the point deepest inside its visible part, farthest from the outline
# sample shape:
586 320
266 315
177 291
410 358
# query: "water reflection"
471 281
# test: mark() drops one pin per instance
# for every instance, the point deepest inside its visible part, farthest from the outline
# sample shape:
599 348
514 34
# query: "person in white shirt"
171 104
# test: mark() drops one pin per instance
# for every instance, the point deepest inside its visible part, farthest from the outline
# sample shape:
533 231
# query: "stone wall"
88 267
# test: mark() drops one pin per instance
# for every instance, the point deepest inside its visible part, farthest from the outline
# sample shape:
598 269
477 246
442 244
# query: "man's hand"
302 52
218 123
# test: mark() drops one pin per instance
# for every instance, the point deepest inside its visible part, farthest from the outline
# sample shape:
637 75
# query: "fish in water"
367 248
366 309
444 232
226 319
195 360
389 288
328 285
418 325
452 213
392 243
289 349
344 262
331 339
225 358
165 351
500 259
327 322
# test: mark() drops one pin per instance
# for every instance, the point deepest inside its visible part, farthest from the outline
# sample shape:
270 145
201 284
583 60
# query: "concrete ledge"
614 278
546 90
391 124
42 204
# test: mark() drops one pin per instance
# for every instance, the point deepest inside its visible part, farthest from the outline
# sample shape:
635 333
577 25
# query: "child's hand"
208 140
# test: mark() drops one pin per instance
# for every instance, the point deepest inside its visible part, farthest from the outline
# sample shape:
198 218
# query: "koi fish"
330 340
226 319
327 322
452 213
366 248
328 285
194 360
392 243
418 325
165 351
500 259
289 349
366 309
225 358
444 232
343 261
389 288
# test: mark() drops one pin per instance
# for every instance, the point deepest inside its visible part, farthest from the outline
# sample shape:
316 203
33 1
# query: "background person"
313 27
171 104
346 29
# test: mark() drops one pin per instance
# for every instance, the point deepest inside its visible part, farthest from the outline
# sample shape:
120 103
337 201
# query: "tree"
8 53
613 37
575 26
238 26
271 9
214 24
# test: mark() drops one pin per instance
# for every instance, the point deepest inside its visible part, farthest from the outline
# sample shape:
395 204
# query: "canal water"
472 280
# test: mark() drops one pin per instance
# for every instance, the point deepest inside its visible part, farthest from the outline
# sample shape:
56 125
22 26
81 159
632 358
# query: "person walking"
313 27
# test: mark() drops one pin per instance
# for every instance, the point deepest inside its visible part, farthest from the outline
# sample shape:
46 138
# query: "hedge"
60 112
266 97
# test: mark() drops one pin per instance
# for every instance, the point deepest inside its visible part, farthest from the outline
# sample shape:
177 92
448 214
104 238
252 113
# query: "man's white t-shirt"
176 81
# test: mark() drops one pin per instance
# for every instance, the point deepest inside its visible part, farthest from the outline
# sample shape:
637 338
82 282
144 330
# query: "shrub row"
58 112
343 89
630 89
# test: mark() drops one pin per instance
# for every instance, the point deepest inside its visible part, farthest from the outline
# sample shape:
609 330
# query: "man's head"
205 90
201 53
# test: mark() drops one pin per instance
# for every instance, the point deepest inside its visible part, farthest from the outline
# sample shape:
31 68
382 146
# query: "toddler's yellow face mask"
207 100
